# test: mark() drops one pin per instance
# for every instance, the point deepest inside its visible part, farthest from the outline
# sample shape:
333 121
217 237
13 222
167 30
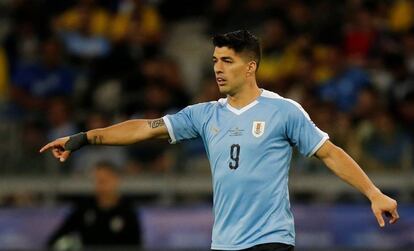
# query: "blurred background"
70 66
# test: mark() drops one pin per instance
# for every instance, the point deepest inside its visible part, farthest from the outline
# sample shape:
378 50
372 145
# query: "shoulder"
207 106
284 105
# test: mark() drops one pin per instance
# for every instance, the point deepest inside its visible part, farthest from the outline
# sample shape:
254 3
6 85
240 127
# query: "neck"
108 200
247 94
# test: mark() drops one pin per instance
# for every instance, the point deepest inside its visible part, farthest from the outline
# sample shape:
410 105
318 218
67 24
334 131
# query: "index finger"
47 146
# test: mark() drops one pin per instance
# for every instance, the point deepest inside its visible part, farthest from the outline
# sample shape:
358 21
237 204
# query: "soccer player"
248 137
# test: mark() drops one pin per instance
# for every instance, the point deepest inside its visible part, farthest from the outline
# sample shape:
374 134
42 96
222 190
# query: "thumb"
380 219
64 156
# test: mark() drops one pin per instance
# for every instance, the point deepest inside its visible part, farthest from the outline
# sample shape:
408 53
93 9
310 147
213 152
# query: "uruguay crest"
258 128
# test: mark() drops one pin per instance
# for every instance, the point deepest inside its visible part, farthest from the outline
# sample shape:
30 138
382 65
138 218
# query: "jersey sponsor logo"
258 128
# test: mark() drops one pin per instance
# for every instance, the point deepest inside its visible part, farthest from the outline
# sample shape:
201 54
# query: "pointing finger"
47 146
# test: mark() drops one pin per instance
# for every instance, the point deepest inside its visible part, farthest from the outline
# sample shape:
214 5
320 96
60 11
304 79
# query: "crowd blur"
70 66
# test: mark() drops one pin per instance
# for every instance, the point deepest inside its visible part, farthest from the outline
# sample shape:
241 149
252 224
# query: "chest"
253 131
105 221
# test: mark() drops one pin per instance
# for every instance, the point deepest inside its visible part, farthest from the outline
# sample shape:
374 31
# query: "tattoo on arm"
155 123
97 140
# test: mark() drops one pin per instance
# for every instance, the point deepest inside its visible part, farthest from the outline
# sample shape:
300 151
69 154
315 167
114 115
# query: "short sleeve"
186 124
302 132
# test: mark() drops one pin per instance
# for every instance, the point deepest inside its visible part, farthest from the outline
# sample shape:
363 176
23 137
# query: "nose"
218 67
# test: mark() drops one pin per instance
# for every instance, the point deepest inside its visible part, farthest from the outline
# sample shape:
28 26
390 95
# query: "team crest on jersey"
258 128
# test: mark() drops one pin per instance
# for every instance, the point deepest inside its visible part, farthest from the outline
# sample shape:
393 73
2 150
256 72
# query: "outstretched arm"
125 133
128 132
348 170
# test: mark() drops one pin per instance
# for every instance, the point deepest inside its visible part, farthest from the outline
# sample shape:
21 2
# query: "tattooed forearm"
155 123
97 140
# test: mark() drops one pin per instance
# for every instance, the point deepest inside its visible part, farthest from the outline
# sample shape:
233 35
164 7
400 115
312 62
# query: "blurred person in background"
35 84
107 220
83 29
402 83
386 147
72 19
401 14
405 110
274 58
22 40
344 86
135 34
368 102
248 137
138 24
60 119
360 35
300 17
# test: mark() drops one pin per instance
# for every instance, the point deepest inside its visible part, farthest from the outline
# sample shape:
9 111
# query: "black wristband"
76 141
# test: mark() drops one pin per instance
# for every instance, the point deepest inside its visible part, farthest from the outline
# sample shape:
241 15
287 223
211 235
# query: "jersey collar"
244 108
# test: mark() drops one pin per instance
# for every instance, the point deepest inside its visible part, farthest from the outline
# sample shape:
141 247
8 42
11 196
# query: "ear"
251 68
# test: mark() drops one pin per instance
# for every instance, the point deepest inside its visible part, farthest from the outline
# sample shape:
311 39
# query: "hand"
58 148
382 204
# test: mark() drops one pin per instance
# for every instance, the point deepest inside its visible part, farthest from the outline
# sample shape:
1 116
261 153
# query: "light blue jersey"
249 150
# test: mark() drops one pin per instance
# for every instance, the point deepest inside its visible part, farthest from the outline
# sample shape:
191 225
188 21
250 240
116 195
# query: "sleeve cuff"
324 138
170 129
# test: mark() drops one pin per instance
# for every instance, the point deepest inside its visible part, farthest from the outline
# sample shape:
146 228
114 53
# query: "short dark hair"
241 41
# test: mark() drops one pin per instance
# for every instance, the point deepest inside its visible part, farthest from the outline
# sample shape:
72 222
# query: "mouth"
220 81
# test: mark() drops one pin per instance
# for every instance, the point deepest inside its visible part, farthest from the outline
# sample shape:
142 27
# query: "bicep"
326 150
328 154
